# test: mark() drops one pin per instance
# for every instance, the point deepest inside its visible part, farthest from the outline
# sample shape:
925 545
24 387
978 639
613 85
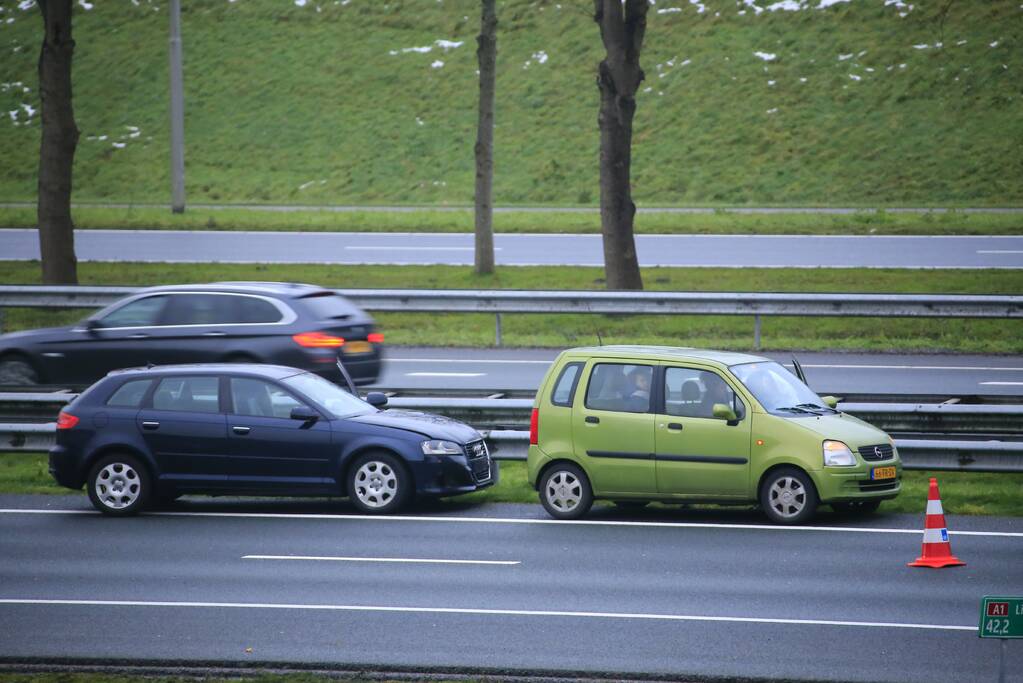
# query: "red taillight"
318 340
66 420
534 428
375 337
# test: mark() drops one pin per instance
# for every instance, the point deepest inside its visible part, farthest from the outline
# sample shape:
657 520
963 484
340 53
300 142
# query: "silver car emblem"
877 451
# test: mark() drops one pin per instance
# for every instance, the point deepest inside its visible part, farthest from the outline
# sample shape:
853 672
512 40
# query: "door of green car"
613 428
698 454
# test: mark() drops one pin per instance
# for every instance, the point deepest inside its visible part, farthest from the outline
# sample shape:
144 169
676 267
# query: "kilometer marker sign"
1001 617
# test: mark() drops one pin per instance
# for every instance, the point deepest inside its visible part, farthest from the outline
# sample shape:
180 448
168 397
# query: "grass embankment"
962 493
726 332
861 103
426 220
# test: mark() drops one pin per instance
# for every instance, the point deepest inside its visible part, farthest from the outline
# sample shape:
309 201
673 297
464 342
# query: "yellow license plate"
360 347
882 473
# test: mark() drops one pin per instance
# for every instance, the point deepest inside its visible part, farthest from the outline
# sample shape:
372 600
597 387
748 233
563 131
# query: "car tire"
17 371
859 507
119 485
788 496
565 491
379 483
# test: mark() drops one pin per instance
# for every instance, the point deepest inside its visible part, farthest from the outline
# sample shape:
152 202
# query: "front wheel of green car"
788 496
565 491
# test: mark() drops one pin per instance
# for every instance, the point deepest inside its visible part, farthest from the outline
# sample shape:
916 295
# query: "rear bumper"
64 468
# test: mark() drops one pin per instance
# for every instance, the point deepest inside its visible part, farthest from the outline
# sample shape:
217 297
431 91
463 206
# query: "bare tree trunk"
486 54
57 150
618 78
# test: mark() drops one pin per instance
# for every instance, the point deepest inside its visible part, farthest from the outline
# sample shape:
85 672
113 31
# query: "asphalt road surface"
730 251
452 585
834 373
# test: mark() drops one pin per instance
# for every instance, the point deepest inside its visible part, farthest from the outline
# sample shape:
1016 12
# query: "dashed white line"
1000 251
1003 384
400 560
445 374
487 612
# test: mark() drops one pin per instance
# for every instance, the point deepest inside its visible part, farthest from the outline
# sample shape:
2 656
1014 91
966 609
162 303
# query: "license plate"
882 473
358 347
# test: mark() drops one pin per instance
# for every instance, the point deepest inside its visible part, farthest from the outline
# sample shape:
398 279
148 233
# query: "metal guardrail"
613 303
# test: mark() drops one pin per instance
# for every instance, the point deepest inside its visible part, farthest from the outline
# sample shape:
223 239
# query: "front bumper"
841 485
454 475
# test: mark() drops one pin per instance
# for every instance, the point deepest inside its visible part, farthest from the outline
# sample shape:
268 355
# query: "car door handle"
214 334
138 335
593 419
241 430
675 426
150 424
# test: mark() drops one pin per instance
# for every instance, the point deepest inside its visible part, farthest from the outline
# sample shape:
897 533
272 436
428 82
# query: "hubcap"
563 491
118 485
787 497
376 484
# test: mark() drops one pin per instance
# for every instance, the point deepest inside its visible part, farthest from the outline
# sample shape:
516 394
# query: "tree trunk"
486 54
57 150
618 78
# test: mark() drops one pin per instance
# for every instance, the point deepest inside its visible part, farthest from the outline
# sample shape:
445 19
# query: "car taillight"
534 428
375 337
318 340
66 420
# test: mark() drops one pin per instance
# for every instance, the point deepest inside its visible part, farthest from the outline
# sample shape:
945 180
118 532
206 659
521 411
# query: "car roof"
250 369
286 290
665 353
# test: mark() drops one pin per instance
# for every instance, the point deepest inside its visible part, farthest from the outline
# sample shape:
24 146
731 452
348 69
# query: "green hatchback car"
635 424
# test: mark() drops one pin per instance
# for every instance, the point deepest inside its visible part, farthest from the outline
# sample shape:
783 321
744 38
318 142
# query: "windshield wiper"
798 409
815 407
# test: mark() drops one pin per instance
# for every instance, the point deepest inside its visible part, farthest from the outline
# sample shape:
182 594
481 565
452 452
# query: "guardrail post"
1 321
497 328
756 332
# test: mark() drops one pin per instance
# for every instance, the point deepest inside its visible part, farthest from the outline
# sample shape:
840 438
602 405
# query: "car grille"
871 486
479 460
882 451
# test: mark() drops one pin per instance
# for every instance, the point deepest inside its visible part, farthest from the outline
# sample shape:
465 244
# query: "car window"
258 398
142 312
192 394
619 387
775 387
689 392
249 309
198 309
328 395
130 394
564 388
327 305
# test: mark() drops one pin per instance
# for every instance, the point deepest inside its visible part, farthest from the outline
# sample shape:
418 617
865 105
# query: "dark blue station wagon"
153 434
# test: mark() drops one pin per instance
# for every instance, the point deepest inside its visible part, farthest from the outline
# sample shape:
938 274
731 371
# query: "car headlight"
837 454
441 448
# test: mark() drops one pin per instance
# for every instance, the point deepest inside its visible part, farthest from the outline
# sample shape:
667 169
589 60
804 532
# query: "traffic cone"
937 551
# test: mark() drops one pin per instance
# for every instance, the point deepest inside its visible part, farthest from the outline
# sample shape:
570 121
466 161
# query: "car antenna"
600 340
347 378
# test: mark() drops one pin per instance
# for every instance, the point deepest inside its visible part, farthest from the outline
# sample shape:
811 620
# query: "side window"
249 309
191 394
256 398
130 394
620 387
564 388
198 309
689 392
142 312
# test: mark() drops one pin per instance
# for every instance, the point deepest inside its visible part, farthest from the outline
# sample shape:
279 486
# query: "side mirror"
724 412
830 401
304 413
377 399
91 325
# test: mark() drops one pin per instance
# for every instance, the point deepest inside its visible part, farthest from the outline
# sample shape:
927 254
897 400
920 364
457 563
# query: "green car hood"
842 427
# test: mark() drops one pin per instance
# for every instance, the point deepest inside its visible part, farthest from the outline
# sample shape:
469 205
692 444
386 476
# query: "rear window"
564 388
329 306
188 394
130 394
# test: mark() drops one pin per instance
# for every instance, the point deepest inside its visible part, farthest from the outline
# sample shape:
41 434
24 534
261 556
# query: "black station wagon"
151 434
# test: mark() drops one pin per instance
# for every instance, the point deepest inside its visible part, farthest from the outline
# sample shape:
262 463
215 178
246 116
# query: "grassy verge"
962 493
425 220
727 332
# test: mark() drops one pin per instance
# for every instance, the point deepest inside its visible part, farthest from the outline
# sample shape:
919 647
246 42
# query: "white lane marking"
1004 384
465 360
445 374
488 612
506 520
364 247
1000 251
314 558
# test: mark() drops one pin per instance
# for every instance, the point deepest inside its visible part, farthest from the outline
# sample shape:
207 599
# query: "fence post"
497 328
756 332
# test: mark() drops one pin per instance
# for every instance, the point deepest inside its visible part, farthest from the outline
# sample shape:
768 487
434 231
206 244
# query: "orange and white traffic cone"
937 551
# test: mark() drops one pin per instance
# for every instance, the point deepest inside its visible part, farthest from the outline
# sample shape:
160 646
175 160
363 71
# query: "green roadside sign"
1001 617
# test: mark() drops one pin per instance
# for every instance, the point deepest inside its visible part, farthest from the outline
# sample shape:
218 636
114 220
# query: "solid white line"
506 520
1000 251
377 559
464 360
488 612
413 248
1004 384
445 374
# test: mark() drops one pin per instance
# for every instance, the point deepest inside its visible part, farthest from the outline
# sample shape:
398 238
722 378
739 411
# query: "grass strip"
555 331
722 221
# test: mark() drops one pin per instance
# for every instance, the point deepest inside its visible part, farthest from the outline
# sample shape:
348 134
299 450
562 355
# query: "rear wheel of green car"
565 491
788 496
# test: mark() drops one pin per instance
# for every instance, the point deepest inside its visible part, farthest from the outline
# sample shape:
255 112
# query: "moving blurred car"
148 434
297 325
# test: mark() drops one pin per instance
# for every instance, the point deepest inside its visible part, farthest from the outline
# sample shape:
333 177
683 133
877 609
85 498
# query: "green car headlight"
441 448
837 454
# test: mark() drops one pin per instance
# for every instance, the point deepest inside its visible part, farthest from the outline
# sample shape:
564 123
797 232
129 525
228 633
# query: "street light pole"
177 111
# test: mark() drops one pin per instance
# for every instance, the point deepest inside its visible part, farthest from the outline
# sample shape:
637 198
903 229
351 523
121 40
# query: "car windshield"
331 397
776 388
